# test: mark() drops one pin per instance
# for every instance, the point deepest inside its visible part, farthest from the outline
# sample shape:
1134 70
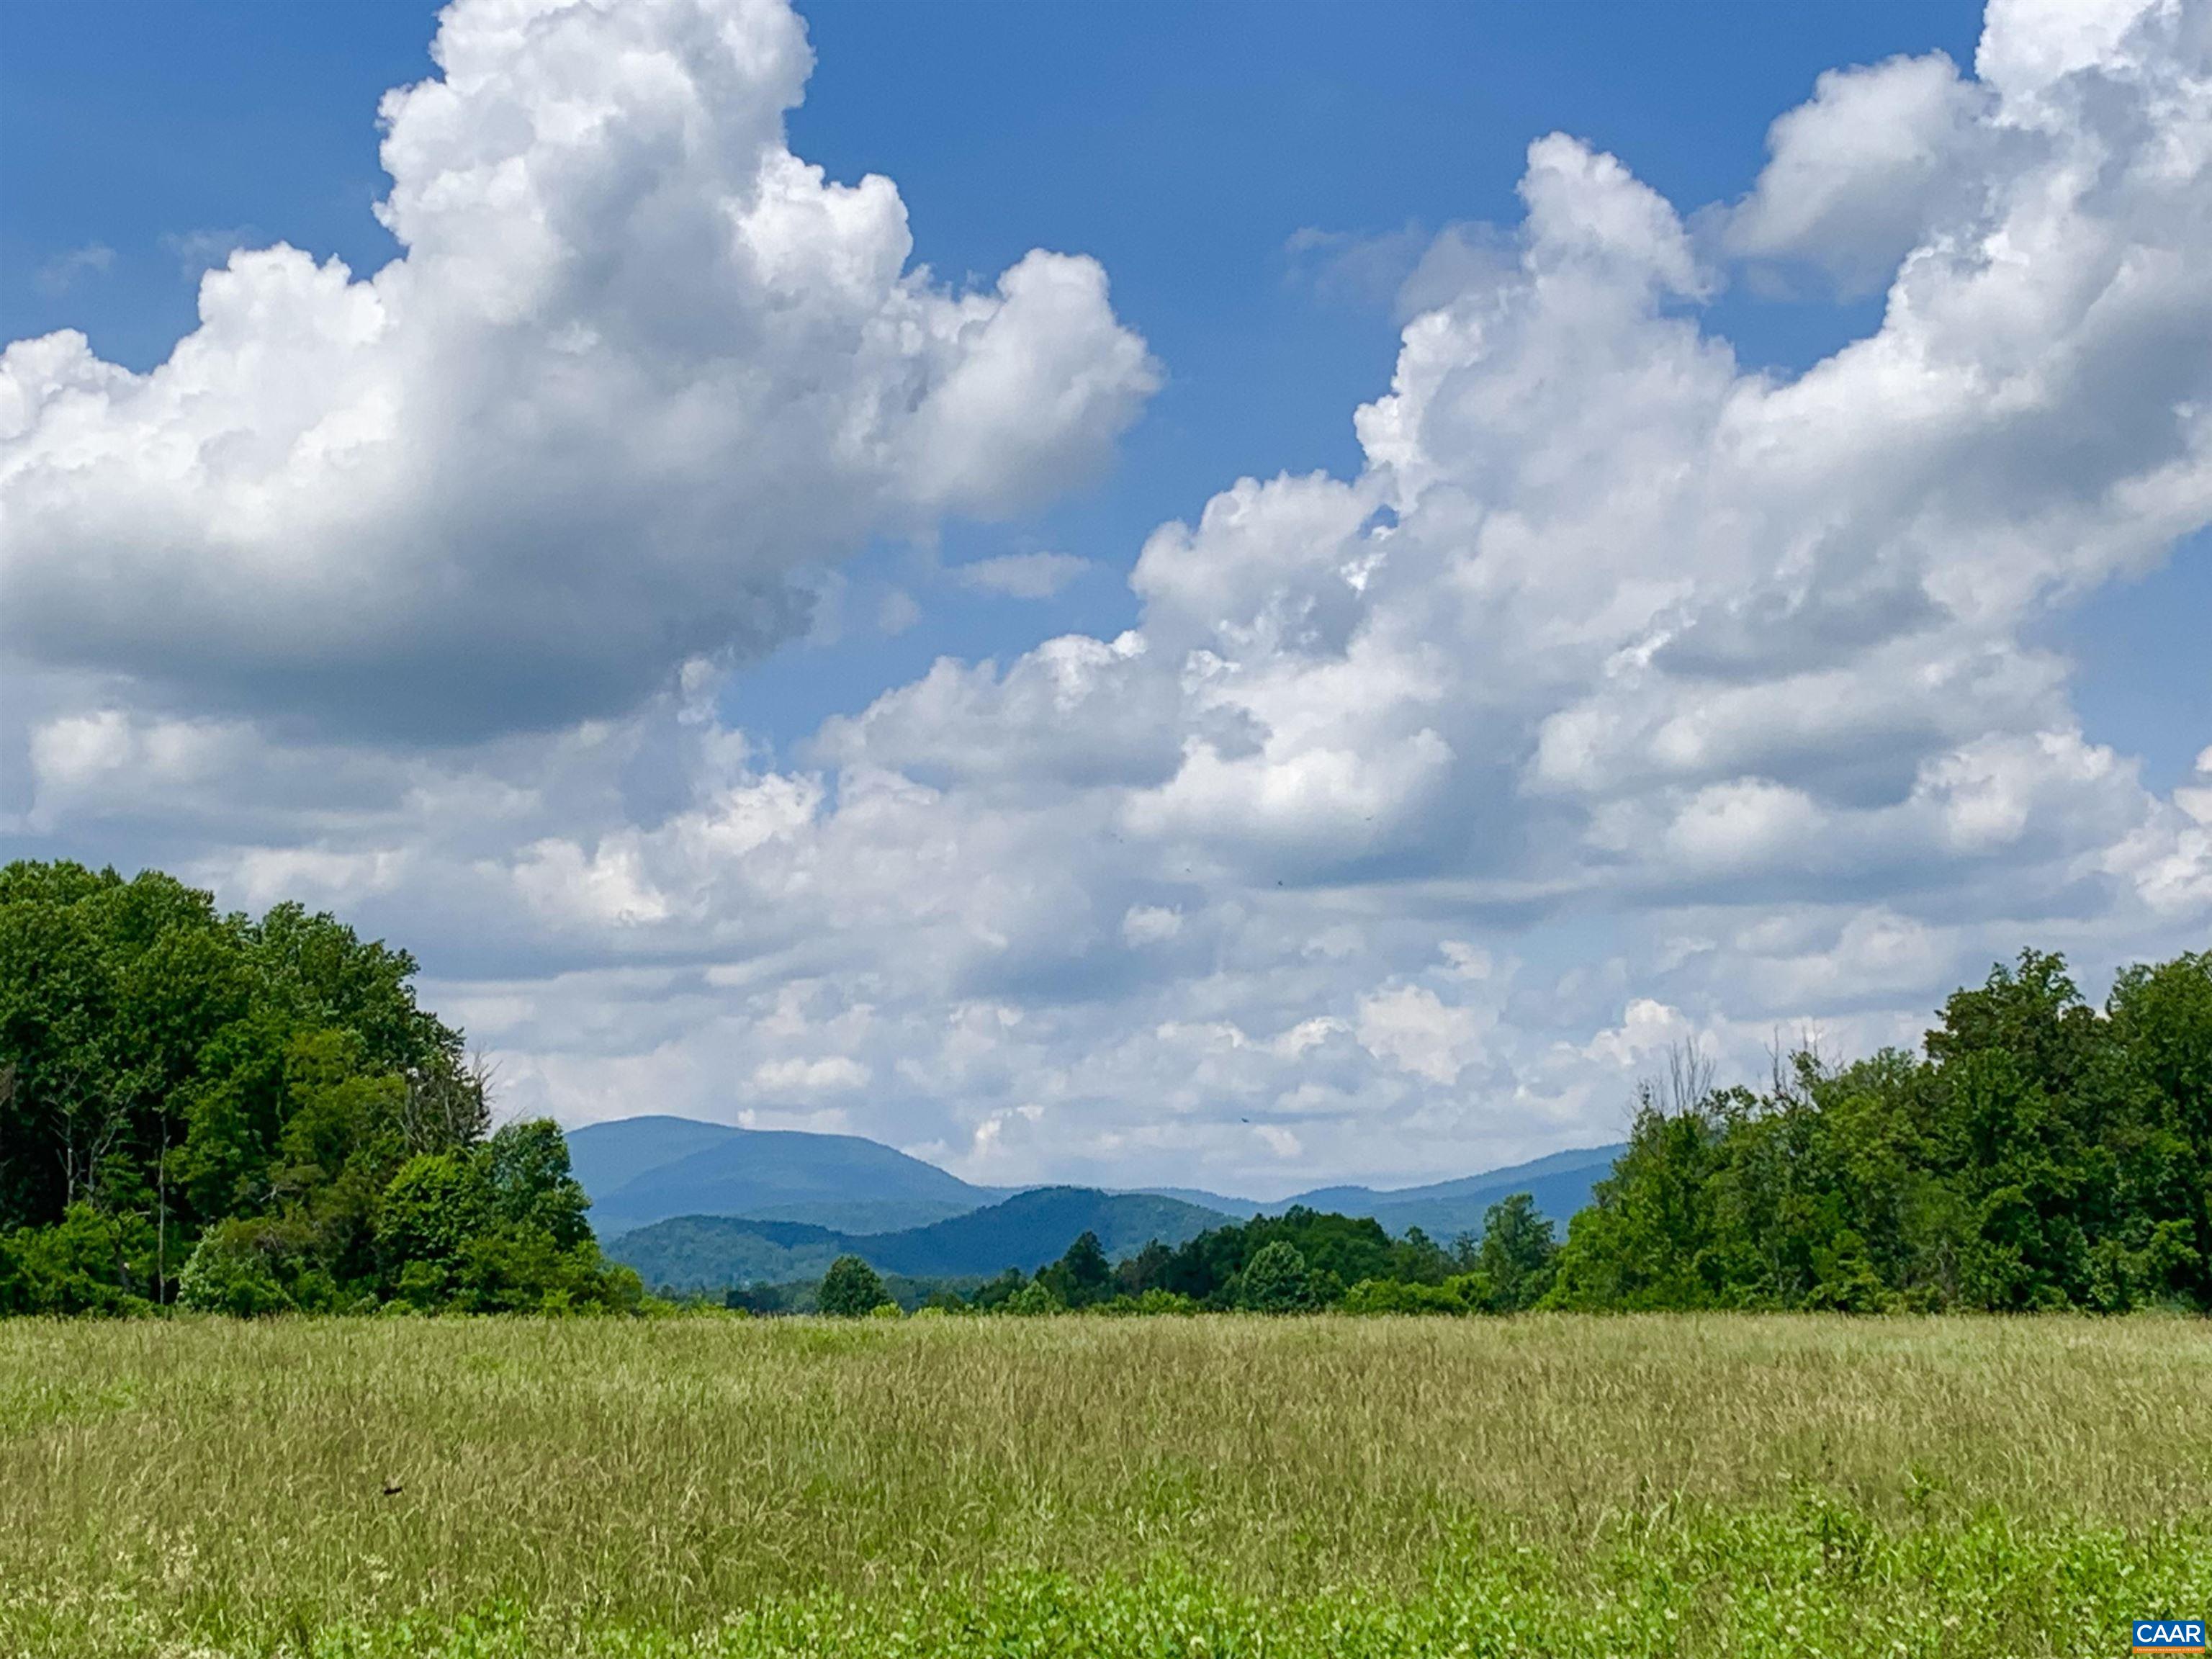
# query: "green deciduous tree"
1277 1280
851 1289
1083 1278
2040 1153
1517 1254
262 1100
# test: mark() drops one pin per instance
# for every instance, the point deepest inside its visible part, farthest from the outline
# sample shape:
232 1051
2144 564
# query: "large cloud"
1856 176
1622 698
637 364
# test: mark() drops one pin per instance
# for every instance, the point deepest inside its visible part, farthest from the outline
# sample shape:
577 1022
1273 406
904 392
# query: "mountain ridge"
1026 1230
1366 1200
848 1183
644 1170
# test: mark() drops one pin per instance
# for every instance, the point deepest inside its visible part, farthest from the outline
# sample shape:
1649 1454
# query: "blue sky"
1204 139
1257 182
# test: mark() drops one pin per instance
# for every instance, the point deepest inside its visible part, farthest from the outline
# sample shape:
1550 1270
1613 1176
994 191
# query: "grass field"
1181 1487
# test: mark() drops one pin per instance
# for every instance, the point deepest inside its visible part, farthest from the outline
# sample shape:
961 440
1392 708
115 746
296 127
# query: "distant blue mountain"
606 1155
1560 1183
712 1253
1242 1209
641 1170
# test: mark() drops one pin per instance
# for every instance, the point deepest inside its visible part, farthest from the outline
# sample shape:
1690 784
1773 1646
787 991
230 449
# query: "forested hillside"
1560 1185
640 1171
1026 1231
253 1115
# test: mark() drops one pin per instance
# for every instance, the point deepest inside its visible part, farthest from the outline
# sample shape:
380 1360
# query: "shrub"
1154 1301
994 1294
1033 1299
1465 1293
238 1268
497 1229
518 1269
433 1208
87 1263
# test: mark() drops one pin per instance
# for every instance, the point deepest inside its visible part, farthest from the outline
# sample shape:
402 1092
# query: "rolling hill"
643 1171
1560 1184
714 1252
1032 1228
639 1170
704 1252
1242 1209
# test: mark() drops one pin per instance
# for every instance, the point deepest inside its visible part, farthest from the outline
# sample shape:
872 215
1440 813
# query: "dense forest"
205 1110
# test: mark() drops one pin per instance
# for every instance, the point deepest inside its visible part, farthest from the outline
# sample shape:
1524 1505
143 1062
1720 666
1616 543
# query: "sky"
1230 594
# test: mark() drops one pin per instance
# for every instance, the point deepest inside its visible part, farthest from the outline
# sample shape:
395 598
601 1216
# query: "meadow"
1190 1487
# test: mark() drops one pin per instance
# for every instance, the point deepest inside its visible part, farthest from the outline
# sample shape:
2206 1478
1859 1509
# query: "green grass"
1325 1487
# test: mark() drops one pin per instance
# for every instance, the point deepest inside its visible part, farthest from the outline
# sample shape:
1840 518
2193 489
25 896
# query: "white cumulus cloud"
636 365
1620 697
1022 575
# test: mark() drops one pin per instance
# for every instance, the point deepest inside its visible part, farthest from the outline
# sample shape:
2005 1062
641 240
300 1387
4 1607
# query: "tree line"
1303 1260
2038 1153
205 1109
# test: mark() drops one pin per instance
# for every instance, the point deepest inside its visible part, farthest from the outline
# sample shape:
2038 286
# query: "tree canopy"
852 1289
2042 1154
253 1115
2038 1153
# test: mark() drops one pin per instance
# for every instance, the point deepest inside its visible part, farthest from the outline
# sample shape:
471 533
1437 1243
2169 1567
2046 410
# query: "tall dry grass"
207 1485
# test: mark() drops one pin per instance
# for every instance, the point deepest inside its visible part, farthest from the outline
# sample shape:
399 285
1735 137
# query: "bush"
497 1229
1465 1293
433 1208
237 1268
523 1270
1032 1300
993 1294
1154 1301
851 1289
89 1263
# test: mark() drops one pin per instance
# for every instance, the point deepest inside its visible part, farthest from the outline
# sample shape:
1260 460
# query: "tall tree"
1517 1253
180 1084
